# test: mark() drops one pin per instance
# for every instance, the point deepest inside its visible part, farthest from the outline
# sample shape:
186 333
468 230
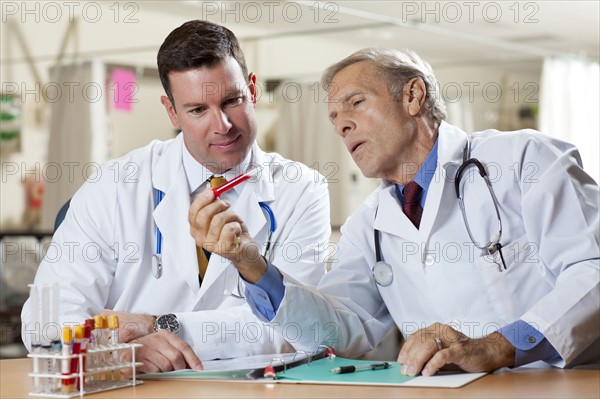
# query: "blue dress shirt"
530 344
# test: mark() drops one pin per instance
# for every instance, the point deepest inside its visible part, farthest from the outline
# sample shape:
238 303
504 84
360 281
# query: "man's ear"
252 86
164 100
415 93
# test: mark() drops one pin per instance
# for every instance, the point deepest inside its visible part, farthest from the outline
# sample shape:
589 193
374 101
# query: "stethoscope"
157 266
382 271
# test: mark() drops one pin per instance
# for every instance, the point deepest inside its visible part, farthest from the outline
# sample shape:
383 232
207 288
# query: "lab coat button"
531 340
429 260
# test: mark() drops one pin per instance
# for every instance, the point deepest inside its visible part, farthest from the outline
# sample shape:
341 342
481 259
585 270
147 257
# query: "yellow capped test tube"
113 324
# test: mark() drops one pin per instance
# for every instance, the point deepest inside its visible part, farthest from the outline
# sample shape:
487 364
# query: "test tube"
46 367
113 324
91 357
84 347
104 329
67 342
101 339
36 349
79 332
35 339
55 368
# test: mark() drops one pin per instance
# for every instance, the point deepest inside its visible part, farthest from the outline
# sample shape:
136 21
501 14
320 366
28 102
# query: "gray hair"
398 67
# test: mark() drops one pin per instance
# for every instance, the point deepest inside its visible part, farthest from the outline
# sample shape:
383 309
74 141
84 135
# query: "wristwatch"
167 322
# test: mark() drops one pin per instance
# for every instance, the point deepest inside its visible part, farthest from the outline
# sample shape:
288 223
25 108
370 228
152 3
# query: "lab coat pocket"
515 289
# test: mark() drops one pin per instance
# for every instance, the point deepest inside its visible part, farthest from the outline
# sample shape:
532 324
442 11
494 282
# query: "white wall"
116 39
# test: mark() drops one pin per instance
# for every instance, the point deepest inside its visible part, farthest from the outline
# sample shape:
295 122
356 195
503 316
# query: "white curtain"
78 133
569 104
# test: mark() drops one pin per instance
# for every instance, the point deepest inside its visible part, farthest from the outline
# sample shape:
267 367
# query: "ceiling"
444 32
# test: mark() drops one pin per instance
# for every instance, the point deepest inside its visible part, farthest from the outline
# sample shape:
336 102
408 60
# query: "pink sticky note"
124 88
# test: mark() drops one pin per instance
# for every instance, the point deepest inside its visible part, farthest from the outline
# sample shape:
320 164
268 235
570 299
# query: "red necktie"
412 204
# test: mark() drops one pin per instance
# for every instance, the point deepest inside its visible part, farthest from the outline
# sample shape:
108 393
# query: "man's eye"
198 110
234 100
356 103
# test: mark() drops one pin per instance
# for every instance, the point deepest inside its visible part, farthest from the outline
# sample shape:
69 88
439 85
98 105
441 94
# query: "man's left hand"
439 346
132 325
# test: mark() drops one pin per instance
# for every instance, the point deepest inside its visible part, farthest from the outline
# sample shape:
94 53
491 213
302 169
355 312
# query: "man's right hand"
163 351
218 229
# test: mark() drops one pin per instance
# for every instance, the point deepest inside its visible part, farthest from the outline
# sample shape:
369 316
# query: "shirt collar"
425 173
197 174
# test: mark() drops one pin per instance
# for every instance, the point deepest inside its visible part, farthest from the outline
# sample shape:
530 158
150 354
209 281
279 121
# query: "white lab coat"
549 209
107 240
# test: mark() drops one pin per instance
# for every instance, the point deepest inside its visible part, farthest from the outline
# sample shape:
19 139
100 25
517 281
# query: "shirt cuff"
266 295
530 344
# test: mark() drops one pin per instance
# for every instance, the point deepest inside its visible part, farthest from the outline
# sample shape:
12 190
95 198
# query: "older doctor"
181 312
464 291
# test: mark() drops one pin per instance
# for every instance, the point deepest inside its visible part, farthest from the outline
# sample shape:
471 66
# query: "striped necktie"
203 254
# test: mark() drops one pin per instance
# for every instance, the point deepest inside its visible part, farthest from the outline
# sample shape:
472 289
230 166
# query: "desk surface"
524 383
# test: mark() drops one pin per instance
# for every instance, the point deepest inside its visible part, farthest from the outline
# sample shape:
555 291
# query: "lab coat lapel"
390 217
451 142
171 215
248 208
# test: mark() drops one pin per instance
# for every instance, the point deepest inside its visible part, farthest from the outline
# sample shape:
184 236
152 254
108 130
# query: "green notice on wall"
10 122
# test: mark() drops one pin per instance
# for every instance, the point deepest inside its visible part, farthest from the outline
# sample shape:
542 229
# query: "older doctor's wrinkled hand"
440 347
218 229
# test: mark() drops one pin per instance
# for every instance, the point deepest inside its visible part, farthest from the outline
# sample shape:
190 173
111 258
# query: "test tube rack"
89 381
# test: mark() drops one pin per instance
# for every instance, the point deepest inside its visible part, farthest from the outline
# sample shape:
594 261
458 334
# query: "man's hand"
218 229
421 354
132 325
163 351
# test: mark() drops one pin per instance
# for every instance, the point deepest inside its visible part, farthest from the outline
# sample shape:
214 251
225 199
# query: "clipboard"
301 368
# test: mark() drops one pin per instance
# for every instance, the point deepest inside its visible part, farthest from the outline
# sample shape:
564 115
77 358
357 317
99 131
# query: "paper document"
319 372
236 368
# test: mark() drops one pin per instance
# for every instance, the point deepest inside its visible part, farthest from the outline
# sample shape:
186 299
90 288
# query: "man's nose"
344 125
220 122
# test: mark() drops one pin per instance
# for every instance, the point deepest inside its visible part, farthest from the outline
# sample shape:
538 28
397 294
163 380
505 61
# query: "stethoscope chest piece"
383 274
156 266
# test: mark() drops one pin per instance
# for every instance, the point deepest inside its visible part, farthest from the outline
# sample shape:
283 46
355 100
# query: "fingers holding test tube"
218 229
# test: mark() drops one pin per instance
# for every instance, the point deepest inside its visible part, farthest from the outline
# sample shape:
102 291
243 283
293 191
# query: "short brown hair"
197 44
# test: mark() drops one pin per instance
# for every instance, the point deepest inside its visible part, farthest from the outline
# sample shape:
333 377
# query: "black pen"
358 367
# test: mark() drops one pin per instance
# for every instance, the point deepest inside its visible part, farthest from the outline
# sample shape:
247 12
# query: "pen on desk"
235 181
359 367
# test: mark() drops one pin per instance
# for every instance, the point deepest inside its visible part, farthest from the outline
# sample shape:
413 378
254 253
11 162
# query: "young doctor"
482 249
178 312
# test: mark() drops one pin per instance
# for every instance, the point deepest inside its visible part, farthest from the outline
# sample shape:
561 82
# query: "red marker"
234 182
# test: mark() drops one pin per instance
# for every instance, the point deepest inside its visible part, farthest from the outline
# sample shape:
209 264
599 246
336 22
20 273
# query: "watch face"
168 322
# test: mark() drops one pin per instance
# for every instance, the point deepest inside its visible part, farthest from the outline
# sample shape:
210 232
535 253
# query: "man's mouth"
355 147
225 144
